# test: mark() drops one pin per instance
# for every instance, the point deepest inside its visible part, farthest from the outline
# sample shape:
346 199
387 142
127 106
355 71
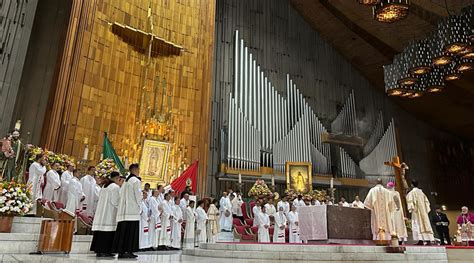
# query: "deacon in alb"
225 220
189 232
89 187
53 184
176 225
419 207
263 226
155 220
105 219
166 215
75 195
280 225
144 223
66 176
293 225
201 219
36 172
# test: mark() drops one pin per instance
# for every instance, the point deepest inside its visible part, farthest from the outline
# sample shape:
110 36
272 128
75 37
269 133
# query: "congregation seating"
241 233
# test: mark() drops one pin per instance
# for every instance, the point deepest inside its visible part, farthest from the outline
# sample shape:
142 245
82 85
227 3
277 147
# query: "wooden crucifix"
401 184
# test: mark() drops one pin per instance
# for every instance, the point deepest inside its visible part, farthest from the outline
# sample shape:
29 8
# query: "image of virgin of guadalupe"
153 162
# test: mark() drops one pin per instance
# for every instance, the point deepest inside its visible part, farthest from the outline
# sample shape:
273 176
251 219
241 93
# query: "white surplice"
398 218
278 233
176 227
285 205
165 234
263 225
358 204
380 201
105 218
155 222
201 218
144 226
35 179
189 233
256 210
419 207
52 187
237 206
297 202
294 229
74 195
225 222
66 176
212 223
89 187
270 209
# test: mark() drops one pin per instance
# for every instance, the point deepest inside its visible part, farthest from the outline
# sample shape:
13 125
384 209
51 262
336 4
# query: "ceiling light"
389 11
369 2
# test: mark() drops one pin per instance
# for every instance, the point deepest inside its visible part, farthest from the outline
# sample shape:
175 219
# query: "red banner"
187 178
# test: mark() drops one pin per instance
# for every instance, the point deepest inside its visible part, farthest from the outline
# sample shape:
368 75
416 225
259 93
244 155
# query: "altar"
335 224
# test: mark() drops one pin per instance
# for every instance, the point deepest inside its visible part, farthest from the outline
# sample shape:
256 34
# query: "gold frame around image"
299 176
154 161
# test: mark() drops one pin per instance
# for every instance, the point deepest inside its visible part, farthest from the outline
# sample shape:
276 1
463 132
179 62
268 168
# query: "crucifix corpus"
401 184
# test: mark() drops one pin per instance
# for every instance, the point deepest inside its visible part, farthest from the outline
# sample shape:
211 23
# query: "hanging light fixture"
391 76
434 81
404 77
454 31
369 2
451 73
438 57
420 57
389 11
464 64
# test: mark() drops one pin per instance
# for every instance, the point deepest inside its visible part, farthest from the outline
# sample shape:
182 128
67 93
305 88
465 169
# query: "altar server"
280 225
380 201
201 219
183 203
144 243
284 204
419 207
155 220
357 203
176 225
237 207
293 225
257 209
105 219
397 216
161 196
343 202
189 233
75 195
263 226
270 209
89 187
66 176
225 220
35 179
299 201
126 240
53 184
166 216
212 221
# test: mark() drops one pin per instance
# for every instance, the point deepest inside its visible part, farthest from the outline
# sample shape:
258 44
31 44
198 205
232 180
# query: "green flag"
108 152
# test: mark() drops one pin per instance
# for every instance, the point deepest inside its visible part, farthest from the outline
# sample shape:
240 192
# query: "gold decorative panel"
114 78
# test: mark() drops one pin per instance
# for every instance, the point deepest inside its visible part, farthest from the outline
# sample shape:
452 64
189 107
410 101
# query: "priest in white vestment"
89 187
212 221
105 219
66 176
299 201
263 226
155 220
280 225
189 233
357 203
270 209
237 207
398 217
225 220
166 216
144 223
293 225
127 238
201 219
176 225
75 195
284 203
419 207
36 172
183 203
256 210
53 184
380 201
343 202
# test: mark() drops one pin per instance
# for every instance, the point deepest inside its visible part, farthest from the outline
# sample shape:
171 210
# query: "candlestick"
273 180
332 183
101 156
86 140
18 125
86 152
240 178
126 162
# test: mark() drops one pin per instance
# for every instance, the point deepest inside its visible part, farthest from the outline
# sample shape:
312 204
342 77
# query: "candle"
332 183
273 180
126 162
86 140
101 156
86 152
240 178
18 125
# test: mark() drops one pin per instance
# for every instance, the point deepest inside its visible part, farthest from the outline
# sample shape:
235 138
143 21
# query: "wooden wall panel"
282 42
101 75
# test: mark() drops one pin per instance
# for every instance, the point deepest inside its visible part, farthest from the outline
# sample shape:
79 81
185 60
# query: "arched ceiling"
368 45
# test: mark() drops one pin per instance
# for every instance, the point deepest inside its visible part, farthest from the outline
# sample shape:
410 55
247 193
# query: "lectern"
56 235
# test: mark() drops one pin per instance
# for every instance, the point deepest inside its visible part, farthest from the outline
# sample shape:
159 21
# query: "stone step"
313 248
330 256
24 243
225 237
30 225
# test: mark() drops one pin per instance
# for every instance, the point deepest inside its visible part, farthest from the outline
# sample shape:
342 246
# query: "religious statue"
299 183
15 156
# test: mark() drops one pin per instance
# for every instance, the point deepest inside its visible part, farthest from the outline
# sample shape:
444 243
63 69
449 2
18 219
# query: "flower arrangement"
33 152
260 190
105 167
14 199
51 157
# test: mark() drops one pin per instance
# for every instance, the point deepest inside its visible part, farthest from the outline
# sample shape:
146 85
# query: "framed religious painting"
154 162
299 177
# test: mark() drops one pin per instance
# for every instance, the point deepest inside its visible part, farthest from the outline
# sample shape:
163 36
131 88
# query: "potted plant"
15 200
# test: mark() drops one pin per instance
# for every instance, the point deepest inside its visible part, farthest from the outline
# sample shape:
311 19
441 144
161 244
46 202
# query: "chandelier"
369 2
389 11
425 65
